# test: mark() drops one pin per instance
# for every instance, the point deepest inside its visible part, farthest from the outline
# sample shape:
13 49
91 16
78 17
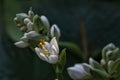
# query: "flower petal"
54 42
54 50
53 59
21 44
40 54
47 45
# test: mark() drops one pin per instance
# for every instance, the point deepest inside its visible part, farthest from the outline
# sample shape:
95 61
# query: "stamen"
41 45
42 42
46 52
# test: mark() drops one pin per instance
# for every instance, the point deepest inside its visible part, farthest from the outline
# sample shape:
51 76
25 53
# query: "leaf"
61 62
73 47
96 73
95 64
115 66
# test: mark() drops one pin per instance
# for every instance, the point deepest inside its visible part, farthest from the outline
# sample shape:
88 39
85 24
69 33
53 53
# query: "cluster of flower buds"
36 34
107 69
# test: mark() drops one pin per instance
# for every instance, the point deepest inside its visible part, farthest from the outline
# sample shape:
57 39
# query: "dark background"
98 19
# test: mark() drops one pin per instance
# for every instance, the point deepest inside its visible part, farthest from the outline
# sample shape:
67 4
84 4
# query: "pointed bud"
55 31
45 21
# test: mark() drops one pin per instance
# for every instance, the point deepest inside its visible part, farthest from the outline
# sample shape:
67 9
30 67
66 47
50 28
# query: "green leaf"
95 64
96 73
114 68
61 62
73 47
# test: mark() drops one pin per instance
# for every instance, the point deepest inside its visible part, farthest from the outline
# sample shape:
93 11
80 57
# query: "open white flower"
78 71
48 51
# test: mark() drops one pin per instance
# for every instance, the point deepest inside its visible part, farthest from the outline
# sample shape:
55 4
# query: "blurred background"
91 24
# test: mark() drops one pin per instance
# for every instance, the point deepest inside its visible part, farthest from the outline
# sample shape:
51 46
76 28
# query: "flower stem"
59 76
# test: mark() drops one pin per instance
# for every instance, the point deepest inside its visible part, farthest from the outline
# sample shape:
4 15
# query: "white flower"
78 71
48 51
55 31
24 40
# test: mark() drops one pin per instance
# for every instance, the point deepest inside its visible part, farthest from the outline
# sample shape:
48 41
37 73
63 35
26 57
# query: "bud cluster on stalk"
107 69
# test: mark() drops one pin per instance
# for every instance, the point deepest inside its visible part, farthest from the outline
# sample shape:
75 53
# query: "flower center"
42 46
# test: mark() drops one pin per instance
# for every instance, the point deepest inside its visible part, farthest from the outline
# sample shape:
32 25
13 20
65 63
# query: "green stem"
59 76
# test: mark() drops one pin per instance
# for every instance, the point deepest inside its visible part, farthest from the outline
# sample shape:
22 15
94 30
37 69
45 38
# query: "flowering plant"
44 41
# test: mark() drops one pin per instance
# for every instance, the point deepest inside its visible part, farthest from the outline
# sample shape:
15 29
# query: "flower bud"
103 62
27 20
77 72
45 21
110 52
55 31
23 28
21 44
31 34
29 26
21 16
30 13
